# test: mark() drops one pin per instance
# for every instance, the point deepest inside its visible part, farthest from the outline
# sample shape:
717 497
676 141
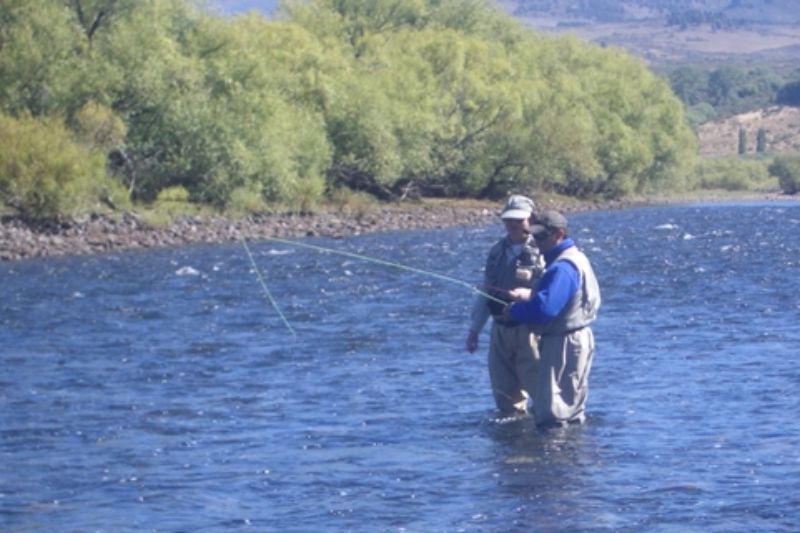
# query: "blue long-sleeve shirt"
556 288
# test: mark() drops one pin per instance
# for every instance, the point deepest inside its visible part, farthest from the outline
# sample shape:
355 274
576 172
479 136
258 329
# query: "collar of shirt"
514 249
551 256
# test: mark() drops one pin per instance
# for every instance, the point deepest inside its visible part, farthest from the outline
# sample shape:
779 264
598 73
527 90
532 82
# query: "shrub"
174 201
699 113
305 194
347 201
731 173
246 199
170 204
787 169
111 193
173 194
44 171
789 94
761 141
98 127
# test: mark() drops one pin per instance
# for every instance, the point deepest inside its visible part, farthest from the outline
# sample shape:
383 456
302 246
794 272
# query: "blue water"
160 391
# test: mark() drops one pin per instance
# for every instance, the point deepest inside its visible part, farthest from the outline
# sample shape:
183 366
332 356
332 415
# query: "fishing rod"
496 289
360 257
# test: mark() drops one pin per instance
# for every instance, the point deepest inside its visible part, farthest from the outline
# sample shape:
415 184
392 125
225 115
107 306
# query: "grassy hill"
780 124
670 33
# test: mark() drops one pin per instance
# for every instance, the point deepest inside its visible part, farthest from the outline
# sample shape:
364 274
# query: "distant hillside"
780 124
720 13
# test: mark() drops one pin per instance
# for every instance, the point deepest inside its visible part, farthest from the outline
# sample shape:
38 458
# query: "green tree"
37 59
732 173
690 83
761 141
742 141
357 22
723 84
267 84
45 172
453 96
789 94
787 169
96 15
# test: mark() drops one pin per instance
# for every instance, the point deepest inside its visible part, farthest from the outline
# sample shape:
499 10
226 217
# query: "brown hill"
781 124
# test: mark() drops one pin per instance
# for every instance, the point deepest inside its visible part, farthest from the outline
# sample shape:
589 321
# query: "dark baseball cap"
547 221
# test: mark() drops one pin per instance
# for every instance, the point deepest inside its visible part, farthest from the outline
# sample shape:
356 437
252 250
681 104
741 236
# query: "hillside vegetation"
111 101
728 90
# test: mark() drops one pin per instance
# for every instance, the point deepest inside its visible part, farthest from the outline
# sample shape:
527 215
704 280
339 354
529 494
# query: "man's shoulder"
572 259
497 247
572 251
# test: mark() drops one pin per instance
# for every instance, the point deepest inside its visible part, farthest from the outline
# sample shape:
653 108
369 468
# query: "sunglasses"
542 235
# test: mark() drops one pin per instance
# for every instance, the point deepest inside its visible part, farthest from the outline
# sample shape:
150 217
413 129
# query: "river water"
160 390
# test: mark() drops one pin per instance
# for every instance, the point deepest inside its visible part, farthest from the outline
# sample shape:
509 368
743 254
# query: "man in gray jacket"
514 261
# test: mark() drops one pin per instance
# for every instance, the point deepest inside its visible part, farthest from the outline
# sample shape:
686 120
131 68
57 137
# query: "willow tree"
38 61
498 106
456 97
263 84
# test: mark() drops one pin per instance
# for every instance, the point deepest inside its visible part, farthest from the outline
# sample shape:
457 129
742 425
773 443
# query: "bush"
174 201
305 194
246 199
351 202
170 204
45 172
455 96
173 194
787 169
789 94
700 113
731 173
98 128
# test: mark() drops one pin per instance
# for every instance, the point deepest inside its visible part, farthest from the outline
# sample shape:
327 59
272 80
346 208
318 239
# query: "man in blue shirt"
560 309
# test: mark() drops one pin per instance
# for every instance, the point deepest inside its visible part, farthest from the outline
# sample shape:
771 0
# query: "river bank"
101 233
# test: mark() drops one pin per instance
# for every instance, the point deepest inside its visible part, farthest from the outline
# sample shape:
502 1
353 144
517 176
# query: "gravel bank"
105 233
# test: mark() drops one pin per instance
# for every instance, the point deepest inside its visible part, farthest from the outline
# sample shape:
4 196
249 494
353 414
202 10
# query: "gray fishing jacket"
507 267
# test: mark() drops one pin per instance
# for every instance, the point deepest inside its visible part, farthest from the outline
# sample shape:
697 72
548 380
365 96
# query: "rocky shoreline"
106 233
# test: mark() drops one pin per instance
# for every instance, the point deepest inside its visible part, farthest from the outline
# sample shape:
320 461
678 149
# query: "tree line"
726 90
120 101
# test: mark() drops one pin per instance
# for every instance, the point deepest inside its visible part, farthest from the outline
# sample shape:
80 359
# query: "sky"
238 6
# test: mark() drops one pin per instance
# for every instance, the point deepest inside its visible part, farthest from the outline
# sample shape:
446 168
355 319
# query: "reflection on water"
159 391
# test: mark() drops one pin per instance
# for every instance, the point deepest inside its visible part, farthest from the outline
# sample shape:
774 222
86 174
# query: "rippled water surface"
160 391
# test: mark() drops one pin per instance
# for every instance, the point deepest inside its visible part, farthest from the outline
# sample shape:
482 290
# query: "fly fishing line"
389 264
361 258
264 286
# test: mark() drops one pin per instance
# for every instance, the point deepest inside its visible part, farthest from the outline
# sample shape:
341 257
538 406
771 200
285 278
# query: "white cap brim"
516 214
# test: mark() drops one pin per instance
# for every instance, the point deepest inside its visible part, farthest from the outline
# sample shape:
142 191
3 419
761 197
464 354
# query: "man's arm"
556 289
478 318
480 308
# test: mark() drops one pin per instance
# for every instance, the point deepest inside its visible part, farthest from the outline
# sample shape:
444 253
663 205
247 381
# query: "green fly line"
264 286
362 258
